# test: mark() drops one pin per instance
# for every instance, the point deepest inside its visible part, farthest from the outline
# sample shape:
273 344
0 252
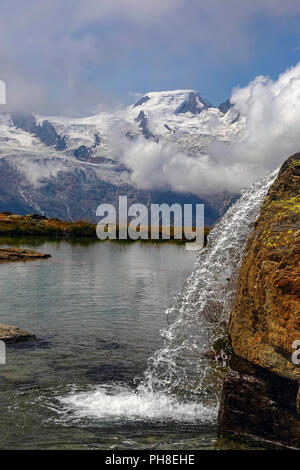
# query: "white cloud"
272 112
36 172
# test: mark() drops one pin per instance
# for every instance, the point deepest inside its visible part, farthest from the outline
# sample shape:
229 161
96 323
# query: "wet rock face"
261 404
265 320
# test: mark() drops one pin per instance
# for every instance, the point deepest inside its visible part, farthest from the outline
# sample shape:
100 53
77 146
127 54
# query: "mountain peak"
225 107
175 101
194 104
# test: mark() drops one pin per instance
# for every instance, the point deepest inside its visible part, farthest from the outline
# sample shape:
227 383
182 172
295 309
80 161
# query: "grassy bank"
33 225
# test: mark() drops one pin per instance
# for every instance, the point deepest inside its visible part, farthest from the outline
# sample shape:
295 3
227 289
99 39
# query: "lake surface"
97 310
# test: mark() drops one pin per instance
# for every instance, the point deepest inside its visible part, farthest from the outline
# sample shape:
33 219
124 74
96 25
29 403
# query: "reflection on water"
96 309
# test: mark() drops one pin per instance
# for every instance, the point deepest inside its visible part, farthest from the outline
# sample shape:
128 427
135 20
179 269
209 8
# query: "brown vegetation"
13 225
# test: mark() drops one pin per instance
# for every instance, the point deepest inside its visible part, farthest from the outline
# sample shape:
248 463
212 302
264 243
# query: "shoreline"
30 226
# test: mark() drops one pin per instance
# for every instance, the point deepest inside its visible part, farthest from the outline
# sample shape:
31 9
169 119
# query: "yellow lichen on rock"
261 394
266 316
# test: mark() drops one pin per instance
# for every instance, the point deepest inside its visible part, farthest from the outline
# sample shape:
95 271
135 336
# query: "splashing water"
118 403
181 383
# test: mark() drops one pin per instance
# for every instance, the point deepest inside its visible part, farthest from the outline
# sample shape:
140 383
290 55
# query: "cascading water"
181 383
200 313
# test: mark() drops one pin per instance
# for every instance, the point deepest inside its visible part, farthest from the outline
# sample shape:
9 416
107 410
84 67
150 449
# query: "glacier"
65 167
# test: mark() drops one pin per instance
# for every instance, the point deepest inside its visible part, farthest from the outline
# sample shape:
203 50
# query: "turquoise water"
96 309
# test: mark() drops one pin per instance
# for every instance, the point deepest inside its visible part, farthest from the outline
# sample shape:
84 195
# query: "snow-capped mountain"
64 167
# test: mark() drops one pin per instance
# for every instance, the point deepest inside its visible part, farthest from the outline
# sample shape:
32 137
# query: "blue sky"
79 57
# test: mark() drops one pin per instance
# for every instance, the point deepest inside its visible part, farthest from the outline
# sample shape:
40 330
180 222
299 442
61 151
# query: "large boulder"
265 320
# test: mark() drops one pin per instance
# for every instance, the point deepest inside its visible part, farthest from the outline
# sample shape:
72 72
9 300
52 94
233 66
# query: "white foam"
119 403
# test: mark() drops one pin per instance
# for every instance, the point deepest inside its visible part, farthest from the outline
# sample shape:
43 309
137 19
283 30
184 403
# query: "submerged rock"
261 388
17 254
12 334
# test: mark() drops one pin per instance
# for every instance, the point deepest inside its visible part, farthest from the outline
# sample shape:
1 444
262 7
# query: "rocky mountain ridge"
63 167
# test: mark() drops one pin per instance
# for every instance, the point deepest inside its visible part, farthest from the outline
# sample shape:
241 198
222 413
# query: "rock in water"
261 390
8 333
259 403
12 334
16 254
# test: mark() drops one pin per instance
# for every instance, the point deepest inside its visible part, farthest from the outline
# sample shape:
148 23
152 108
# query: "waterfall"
200 312
181 382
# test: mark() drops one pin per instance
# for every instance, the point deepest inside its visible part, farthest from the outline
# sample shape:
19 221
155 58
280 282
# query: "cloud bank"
77 57
272 132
